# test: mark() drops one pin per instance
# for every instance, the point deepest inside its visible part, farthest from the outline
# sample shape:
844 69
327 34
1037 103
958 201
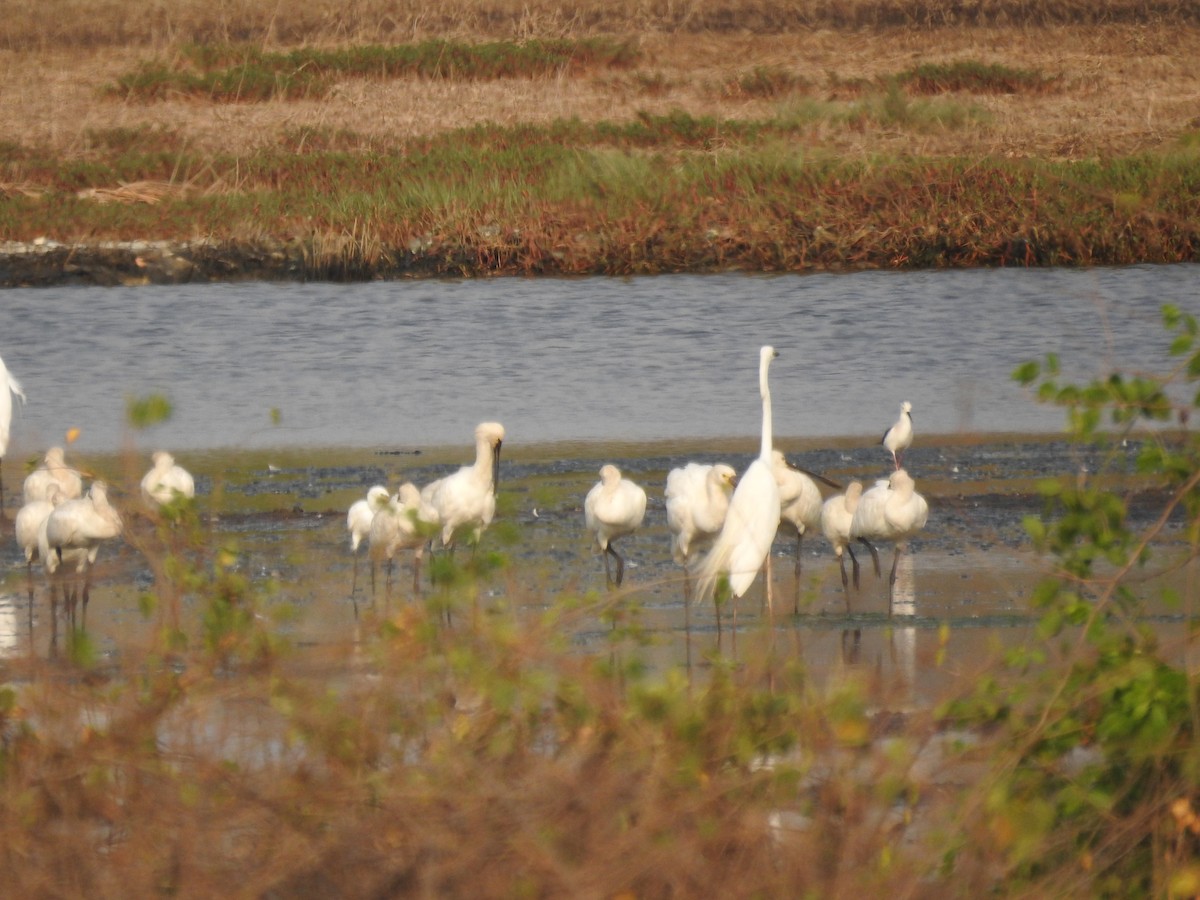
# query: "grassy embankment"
750 173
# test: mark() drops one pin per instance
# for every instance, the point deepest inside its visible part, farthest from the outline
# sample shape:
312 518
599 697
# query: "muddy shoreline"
45 263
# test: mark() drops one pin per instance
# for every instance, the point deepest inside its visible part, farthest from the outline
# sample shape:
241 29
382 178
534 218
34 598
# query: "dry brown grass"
1129 83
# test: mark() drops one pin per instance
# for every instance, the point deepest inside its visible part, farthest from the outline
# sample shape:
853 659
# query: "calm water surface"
419 363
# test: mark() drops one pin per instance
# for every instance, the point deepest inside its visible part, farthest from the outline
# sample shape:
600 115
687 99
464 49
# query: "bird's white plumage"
9 386
891 510
799 496
613 508
697 499
53 471
166 480
80 525
362 513
394 526
753 516
899 437
836 515
466 500
30 521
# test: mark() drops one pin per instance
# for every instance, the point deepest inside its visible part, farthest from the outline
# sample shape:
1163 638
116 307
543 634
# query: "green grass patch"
239 73
767 81
975 77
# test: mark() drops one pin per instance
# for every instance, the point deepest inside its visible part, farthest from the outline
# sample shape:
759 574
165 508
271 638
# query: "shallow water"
961 594
418 363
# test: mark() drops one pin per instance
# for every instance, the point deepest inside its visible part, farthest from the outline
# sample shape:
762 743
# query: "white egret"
395 527
53 470
166 480
899 437
466 500
697 498
744 544
836 515
74 532
358 522
614 507
892 510
800 506
8 386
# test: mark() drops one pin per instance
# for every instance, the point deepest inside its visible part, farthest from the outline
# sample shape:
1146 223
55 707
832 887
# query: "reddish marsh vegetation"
321 143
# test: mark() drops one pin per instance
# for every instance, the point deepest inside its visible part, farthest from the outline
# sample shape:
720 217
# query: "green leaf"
142 412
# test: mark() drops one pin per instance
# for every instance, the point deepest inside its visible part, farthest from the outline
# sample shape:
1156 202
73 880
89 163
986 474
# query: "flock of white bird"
58 524
458 507
722 526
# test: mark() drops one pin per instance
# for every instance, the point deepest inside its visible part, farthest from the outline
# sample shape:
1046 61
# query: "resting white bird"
8 387
836 515
892 510
53 470
614 507
466 500
744 544
394 528
697 498
899 437
74 532
358 522
800 507
166 480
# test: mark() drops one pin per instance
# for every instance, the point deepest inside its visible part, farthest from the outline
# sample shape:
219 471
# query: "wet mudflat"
960 597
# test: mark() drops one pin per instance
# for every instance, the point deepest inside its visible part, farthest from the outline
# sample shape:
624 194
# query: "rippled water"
418 363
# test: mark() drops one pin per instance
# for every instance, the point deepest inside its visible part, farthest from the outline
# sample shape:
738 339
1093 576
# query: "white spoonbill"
800 506
395 527
53 470
613 508
836 515
358 522
30 519
899 437
75 529
8 386
697 498
466 500
892 510
166 480
744 544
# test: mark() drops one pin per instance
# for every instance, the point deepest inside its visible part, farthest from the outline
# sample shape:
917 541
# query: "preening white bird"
466 500
614 507
30 521
166 480
744 543
892 510
358 522
799 506
53 471
74 532
8 387
697 498
899 437
395 528
837 513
